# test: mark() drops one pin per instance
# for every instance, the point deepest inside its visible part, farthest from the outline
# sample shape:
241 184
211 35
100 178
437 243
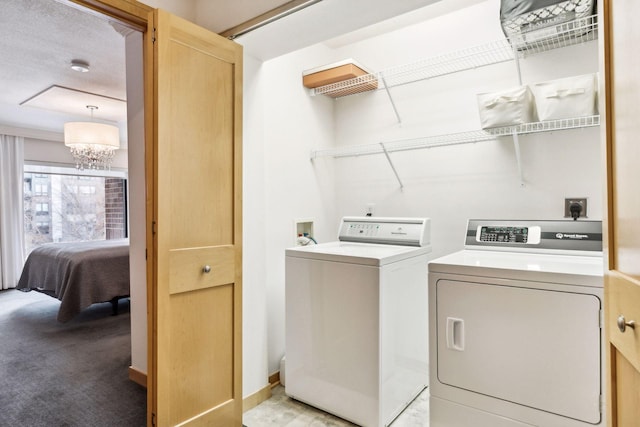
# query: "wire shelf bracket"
516 147
395 172
393 104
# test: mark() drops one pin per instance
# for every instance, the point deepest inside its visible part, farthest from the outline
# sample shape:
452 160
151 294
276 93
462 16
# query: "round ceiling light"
80 66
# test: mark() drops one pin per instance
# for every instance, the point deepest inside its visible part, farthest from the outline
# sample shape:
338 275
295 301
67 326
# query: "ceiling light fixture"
80 66
93 145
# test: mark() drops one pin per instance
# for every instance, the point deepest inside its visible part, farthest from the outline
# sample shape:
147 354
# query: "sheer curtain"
11 210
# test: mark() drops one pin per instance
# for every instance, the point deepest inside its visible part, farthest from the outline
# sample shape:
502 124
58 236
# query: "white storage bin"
506 108
566 98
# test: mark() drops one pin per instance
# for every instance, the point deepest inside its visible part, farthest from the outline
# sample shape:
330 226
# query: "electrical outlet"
582 201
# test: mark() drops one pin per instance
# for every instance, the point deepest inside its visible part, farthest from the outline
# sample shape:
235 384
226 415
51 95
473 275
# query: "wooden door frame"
128 12
135 15
138 16
606 127
621 350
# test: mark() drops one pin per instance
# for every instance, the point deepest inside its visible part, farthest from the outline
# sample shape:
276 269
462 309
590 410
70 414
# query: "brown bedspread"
78 273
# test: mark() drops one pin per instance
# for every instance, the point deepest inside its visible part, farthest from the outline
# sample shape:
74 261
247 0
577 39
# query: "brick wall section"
115 208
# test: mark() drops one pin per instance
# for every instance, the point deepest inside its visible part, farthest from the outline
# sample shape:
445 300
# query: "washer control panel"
390 231
363 229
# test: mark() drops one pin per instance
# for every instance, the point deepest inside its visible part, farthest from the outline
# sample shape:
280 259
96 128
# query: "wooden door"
620 76
196 366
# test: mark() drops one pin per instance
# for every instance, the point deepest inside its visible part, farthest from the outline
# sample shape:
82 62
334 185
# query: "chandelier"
93 145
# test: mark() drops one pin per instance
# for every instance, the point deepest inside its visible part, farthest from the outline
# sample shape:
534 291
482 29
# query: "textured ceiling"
38 41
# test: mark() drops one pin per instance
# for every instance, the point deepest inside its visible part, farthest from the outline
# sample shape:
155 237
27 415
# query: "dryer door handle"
455 334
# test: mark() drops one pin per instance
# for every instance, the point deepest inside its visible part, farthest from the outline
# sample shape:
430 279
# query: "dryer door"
533 347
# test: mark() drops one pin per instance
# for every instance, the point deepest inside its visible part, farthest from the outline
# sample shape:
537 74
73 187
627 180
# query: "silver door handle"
206 269
622 323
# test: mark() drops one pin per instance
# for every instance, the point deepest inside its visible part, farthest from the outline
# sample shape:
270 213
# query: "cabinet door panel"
621 89
197 310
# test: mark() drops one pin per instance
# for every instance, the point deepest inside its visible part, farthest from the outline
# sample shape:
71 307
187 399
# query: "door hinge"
602 403
153 227
601 318
146 254
153 418
153 37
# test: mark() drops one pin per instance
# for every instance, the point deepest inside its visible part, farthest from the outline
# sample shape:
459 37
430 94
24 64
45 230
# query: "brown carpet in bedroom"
66 374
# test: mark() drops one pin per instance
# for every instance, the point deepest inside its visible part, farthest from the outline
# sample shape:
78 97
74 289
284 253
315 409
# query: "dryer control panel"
386 231
570 237
509 234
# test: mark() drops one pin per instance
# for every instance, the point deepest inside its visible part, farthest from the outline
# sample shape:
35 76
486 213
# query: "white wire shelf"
457 138
570 33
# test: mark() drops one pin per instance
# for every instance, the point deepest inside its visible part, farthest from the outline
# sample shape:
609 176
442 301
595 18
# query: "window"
41 189
42 227
87 189
42 208
66 207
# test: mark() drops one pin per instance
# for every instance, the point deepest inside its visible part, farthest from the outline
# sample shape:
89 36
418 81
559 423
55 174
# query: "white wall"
452 184
185 9
286 185
447 184
48 147
254 309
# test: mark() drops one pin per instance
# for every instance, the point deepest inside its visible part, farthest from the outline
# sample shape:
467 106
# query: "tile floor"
281 411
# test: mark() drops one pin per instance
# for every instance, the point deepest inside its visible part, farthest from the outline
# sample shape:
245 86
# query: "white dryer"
515 327
356 319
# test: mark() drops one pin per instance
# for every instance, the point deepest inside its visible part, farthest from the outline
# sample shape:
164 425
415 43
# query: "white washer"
356 319
515 327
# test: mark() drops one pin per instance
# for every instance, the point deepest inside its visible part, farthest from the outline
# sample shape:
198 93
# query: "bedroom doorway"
130 20
193 166
130 23
191 169
50 144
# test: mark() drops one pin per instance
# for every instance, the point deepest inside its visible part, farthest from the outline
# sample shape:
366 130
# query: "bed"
79 274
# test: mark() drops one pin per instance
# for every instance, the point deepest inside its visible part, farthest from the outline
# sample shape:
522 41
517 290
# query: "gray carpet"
66 374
